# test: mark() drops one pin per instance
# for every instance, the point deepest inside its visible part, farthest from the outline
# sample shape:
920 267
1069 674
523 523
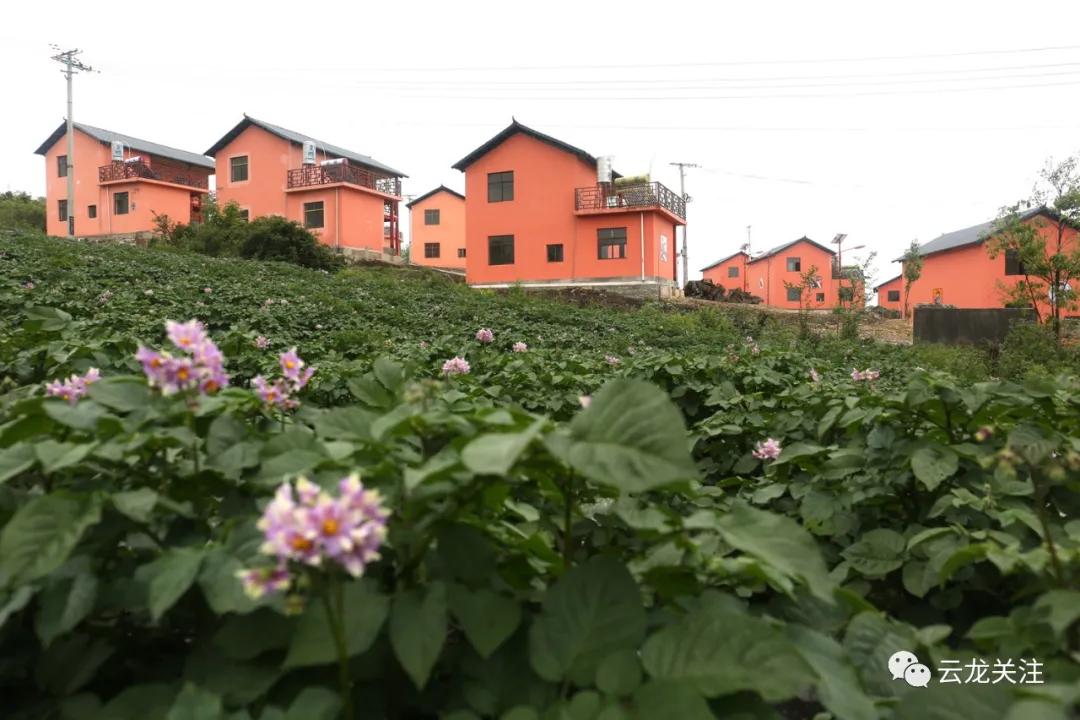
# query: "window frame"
794 263
62 167
91 211
432 251
309 207
892 296
233 166
1014 266
557 250
500 242
432 216
733 271
116 203
498 185
608 238
820 297
461 252
62 210
798 294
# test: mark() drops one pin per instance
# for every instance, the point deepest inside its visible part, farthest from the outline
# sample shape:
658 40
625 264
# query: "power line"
723 63
657 98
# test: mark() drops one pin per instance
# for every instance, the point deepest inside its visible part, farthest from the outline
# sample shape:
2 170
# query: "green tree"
21 211
913 265
1048 261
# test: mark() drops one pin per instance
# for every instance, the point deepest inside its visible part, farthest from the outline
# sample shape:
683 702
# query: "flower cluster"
767 449
295 376
262 342
74 387
201 367
520 347
310 527
814 377
867 374
455 366
207 290
29 285
612 360
105 297
754 349
485 336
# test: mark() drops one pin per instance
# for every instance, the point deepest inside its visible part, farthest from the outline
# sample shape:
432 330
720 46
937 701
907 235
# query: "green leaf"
135 504
82 416
669 699
631 437
45 318
365 613
223 592
243 637
16 601
778 541
592 611
619 674
496 453
15 460
418 621
169 577
720 649
70 663
65 602
486 617
225 432
43 532
195 703
141 702
314 703
58 455
838 685
877 552
1061 608
932 465
345 423
121 393
466 554
954 702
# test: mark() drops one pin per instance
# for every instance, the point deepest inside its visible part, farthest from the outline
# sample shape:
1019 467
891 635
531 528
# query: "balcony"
138 170
316 175
629 197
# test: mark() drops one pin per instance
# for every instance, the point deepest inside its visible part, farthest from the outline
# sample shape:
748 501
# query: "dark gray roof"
513 129
723 260
969 235
886 282
429 193
785 246
300 139
108 136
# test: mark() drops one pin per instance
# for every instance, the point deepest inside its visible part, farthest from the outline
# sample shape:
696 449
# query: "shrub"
20 211
275 238
1031 349
221 233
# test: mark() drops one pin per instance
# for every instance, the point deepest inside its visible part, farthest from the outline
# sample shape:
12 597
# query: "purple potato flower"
455 366
768 449
485 336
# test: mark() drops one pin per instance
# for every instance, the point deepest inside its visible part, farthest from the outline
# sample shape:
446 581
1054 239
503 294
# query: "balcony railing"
141 171
613 197
314 175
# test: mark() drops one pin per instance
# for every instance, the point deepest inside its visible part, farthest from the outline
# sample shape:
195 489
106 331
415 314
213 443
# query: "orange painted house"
729 272
437 223
348 200
765 275
958 270
890 294
543 213
120 197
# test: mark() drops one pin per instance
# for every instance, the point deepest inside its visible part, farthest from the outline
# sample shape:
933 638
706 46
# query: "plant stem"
336 618
1040 510
568 494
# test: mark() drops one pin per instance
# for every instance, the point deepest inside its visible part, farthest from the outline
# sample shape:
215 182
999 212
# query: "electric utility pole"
71 65
686 201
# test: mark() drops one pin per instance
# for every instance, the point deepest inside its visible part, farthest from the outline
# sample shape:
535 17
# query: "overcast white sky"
886 122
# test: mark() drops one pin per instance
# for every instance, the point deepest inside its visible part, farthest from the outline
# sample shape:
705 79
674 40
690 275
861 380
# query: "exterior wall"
766 277
449 233
968 277
896 285
719 273
351 217
541 212
145 198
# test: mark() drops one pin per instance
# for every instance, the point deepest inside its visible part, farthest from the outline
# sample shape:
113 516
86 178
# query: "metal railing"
141 171
613 197
312 175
